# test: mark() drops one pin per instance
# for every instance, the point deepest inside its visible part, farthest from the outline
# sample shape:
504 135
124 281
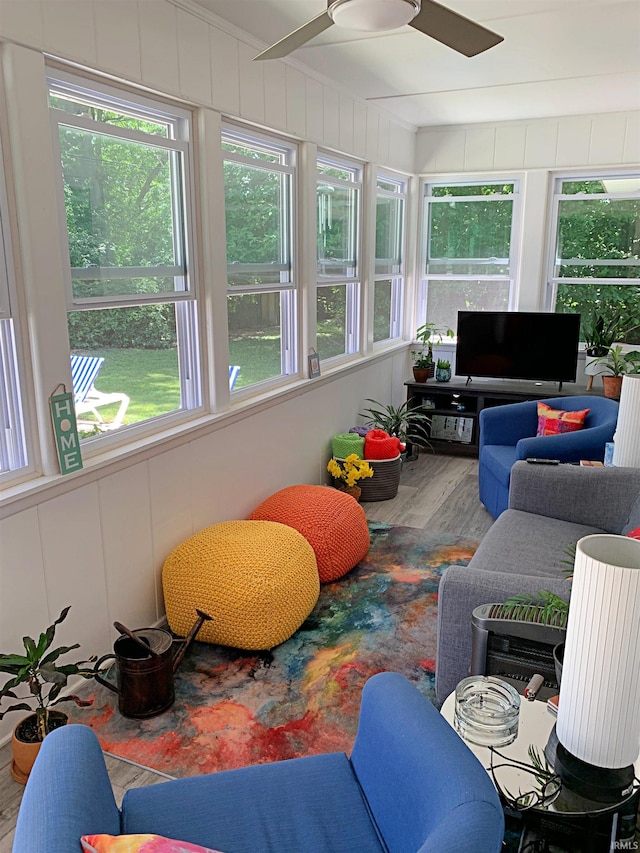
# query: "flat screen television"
518 345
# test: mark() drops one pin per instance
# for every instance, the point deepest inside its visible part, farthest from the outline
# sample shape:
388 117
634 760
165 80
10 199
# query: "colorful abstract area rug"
235 708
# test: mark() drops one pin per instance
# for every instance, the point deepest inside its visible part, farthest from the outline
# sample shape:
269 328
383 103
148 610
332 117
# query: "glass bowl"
486 711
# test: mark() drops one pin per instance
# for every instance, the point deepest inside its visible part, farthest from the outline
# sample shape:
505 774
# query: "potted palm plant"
616 364
39 670
407 424
600 333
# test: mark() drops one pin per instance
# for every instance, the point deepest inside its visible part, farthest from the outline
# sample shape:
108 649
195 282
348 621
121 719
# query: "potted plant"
38 669
617 363
443 370
423 363
346 472
600 333
408 424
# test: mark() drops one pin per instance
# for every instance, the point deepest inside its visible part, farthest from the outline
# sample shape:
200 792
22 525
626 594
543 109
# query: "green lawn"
150 377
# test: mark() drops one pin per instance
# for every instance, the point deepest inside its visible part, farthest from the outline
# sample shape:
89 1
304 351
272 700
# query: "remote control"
536 461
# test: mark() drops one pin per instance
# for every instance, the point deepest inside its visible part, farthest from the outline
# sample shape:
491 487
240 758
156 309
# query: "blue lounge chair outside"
234 370
84 372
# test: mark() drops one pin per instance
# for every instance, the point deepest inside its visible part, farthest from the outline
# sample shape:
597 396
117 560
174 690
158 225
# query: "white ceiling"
559 57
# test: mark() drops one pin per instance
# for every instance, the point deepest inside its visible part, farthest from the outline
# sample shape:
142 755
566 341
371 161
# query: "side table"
575 823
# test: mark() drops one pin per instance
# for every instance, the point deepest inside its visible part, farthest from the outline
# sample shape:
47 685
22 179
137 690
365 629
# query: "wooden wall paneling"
69 30
225 72
312 108
574 133
125 519
275 95
194 58
159 46
331 100
117 37
251 84
74 567
607 139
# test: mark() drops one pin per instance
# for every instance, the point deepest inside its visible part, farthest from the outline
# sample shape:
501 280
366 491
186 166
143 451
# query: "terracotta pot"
26 752
612 386
421 374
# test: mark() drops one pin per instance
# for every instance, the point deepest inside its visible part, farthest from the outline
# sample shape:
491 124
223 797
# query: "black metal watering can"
145 664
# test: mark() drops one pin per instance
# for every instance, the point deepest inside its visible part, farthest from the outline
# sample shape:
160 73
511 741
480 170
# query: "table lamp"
598 726
626 446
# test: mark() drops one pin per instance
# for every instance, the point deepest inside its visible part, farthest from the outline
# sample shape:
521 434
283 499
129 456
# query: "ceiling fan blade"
297 38
454 30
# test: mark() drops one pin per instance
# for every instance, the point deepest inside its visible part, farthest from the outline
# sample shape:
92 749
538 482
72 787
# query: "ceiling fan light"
373 15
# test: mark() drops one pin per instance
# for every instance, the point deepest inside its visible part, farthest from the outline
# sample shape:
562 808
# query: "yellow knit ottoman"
332 521
258 580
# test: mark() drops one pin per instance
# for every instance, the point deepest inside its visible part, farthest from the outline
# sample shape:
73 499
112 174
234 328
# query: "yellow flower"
351 469
334 469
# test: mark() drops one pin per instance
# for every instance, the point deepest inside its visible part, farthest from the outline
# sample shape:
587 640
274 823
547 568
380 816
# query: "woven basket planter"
385 481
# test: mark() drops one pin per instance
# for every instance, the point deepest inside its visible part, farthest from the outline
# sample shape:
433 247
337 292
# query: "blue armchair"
508 433
411 786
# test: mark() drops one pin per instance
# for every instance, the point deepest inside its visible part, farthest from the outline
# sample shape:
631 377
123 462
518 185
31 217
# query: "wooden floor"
436 493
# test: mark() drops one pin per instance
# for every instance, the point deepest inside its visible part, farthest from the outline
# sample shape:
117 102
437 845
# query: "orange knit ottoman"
333 523
258 580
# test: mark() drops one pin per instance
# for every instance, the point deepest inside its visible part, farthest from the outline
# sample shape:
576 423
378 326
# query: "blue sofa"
411 786
508 433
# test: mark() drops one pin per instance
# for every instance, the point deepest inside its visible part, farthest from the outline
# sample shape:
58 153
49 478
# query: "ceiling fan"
427 16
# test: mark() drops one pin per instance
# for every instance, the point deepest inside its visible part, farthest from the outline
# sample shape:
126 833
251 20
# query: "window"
389 267
13 450
338 241
125 182
259 208
469 250
596 256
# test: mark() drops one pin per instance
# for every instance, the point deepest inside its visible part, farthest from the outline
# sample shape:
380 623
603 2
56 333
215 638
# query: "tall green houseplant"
39 670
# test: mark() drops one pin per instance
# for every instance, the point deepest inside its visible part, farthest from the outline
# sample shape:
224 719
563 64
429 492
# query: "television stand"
455 406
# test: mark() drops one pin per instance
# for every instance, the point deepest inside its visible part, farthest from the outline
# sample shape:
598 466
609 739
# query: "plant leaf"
81 703
52 675
22 706
56 653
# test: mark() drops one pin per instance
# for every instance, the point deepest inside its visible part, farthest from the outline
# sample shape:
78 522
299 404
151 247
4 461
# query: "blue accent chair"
508 433
412 785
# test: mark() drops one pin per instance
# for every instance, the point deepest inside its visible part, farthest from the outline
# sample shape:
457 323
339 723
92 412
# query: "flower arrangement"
350 470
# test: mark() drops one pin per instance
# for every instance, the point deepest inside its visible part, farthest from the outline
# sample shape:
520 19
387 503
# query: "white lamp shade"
599 706
626 441
373 15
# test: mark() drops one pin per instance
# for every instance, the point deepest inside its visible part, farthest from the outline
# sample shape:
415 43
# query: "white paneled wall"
570 141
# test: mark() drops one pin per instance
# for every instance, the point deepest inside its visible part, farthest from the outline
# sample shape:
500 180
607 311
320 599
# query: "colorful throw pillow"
556 421
139 844
633 534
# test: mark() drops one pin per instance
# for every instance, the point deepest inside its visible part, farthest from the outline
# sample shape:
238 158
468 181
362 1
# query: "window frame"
288 290
398 280
556 197
186 294
353 282
16 451
16 461
427 199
